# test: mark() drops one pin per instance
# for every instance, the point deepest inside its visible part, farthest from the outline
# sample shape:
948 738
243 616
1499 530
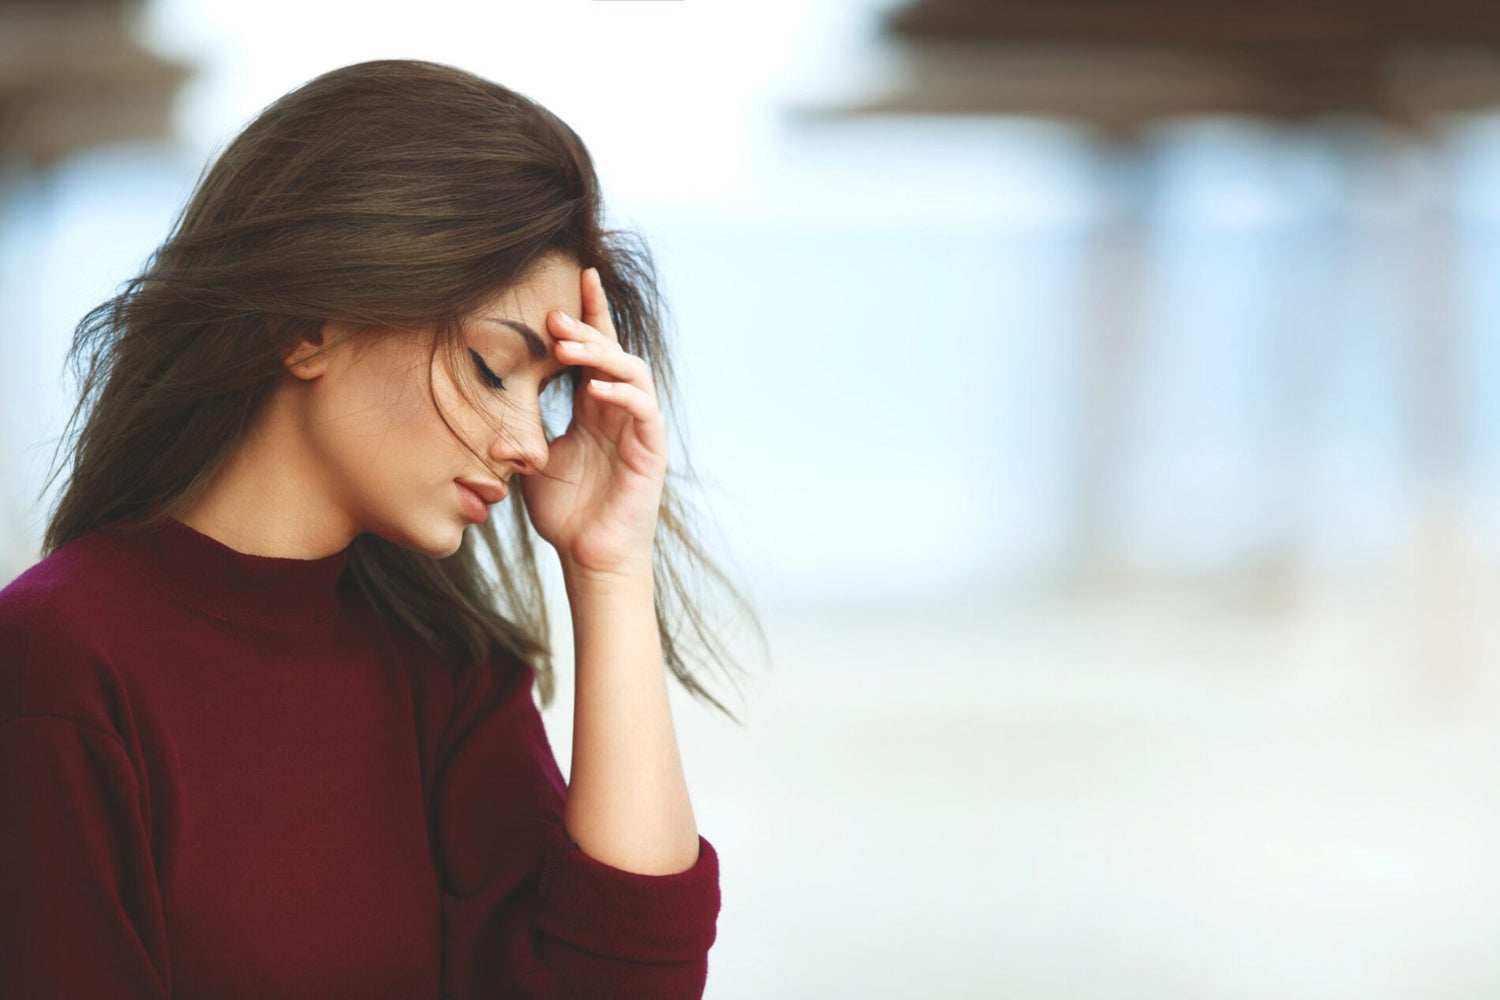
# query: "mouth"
477 497
490 493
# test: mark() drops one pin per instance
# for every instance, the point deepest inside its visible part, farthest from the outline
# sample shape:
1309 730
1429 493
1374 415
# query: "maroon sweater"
221 776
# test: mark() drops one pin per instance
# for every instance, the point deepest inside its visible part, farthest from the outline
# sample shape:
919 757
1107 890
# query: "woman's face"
390 461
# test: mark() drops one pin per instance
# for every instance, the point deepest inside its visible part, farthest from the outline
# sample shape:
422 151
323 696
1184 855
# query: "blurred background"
1097 398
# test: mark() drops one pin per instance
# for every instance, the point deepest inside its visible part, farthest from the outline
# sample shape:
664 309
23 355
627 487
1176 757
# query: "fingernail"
565 320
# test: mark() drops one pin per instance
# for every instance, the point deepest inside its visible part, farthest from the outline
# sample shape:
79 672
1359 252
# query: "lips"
490 493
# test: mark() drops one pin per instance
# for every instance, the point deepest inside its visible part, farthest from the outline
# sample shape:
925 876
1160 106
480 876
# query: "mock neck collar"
225 583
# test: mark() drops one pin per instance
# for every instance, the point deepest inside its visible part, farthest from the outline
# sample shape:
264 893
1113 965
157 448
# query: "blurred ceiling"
1120 64
72 77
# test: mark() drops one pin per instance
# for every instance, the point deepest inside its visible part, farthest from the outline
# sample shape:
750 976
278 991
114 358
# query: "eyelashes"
490 378
495 382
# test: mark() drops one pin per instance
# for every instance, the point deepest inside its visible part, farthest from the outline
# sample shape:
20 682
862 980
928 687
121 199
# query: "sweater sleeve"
526 913
80 915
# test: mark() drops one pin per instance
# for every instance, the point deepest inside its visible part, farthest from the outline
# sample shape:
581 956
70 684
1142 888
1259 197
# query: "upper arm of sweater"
526 911
80 912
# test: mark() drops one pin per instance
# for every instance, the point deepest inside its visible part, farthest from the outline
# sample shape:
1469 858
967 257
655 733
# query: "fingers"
594 344
596 324
563 325
640 404
608 359
595 307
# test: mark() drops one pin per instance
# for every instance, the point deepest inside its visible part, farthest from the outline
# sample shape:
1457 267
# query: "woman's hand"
597 500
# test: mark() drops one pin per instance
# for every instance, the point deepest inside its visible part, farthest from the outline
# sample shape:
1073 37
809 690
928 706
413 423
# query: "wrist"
593 579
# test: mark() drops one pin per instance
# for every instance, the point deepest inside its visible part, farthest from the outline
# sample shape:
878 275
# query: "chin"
438 538
452 543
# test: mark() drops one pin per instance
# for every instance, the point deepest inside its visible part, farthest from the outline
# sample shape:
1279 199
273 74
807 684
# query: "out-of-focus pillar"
72 78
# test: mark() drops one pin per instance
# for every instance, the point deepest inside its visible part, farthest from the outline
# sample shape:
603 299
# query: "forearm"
627 801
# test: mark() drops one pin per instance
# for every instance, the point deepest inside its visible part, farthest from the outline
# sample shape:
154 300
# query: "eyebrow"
535 345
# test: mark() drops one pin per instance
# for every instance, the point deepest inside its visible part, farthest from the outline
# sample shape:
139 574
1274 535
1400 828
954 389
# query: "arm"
627 896
80 907
527 913
80 914
628 800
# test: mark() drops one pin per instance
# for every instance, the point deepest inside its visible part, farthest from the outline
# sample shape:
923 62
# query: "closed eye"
490 378
496 382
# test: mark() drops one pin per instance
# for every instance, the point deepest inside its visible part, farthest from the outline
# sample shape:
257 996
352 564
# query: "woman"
266 720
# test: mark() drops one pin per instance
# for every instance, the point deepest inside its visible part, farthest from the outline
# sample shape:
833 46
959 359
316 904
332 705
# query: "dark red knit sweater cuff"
629 915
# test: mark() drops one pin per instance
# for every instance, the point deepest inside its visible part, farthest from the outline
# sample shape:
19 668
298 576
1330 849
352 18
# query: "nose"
520 445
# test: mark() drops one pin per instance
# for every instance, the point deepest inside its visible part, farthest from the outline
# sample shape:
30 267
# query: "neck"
270 500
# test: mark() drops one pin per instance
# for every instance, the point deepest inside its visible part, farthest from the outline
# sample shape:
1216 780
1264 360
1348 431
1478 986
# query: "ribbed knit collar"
225 583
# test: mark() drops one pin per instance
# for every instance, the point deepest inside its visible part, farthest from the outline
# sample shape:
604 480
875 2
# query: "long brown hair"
392 194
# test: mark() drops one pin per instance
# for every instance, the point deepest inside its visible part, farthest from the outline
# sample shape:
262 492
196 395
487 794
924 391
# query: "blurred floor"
1144 796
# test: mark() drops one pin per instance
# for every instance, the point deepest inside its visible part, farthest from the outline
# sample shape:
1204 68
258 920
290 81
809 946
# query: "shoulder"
51 625
500 676
53 594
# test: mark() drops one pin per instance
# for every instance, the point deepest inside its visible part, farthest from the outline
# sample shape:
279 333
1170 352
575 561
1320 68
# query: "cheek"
463 422
380 428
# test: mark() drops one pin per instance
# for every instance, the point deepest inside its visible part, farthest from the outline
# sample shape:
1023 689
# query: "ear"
303 358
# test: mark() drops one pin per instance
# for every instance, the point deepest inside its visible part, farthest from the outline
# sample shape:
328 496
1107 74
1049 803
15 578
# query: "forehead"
554 284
